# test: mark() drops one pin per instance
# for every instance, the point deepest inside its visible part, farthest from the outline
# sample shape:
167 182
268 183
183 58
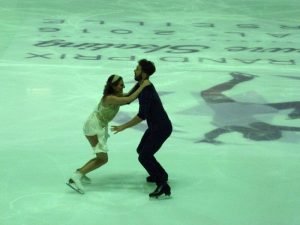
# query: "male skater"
159 129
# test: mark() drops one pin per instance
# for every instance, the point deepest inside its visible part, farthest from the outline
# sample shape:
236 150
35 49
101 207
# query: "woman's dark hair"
111 82
148 67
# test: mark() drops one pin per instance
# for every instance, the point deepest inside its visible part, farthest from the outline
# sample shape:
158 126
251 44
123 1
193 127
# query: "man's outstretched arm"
134 121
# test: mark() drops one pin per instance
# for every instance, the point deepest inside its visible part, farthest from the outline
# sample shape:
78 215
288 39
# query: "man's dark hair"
147 66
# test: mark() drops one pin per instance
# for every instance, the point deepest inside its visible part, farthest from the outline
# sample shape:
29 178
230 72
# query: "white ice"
48 89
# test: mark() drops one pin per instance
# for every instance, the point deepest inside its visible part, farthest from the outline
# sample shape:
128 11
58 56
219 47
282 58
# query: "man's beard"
138 77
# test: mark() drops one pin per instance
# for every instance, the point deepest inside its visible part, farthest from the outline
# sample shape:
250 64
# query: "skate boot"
75 183
162 190
84 179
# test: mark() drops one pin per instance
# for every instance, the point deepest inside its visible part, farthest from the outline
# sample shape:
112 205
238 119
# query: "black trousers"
150 143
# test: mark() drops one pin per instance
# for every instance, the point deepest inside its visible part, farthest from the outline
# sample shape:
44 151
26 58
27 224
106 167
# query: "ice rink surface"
228 75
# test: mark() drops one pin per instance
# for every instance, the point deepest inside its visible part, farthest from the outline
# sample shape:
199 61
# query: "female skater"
96 127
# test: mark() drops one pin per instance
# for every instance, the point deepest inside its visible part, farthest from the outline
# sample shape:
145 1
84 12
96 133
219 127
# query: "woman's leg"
100 159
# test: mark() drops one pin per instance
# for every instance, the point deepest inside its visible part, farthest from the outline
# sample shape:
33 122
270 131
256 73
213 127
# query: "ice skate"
85 180
75 183
161 191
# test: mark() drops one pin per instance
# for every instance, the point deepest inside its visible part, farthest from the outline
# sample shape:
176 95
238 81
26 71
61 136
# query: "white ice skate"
85 180
75 183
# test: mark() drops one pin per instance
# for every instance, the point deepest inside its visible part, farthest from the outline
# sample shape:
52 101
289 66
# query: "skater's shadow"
231 115
120 181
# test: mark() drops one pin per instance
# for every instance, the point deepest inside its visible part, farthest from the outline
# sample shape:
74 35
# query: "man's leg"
147 149
149 145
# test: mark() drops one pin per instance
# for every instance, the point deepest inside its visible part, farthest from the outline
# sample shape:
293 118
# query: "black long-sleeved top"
151 109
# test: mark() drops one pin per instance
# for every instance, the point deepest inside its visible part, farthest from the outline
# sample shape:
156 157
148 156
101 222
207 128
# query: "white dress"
97 124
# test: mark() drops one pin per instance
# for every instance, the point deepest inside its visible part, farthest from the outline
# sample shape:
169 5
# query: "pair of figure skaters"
150 109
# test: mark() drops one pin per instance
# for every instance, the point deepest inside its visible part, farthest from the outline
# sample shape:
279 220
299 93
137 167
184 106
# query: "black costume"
159 129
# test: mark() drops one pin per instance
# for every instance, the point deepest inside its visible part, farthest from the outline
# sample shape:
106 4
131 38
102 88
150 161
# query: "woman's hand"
145 83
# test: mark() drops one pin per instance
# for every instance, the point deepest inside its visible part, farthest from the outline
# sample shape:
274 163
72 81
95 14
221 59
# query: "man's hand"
117 129
134 121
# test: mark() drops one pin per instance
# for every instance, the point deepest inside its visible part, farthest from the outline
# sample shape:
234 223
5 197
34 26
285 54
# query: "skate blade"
75 188
161 197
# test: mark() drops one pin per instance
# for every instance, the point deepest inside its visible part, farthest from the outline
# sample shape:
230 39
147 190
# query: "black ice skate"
163 190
